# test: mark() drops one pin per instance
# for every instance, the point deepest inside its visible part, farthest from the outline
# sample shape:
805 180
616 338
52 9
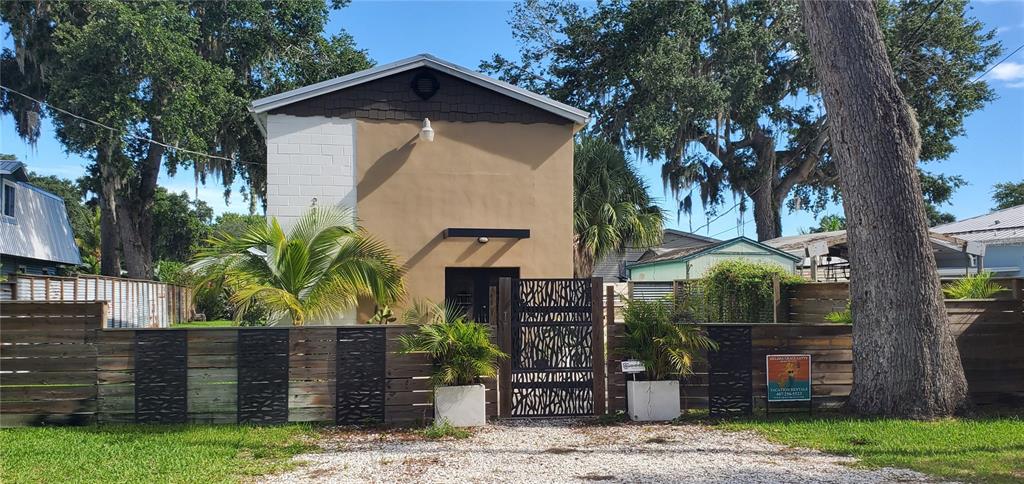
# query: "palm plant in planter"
668 349
462 352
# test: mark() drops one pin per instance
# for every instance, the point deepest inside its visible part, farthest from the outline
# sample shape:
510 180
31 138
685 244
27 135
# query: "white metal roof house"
999 236
35 233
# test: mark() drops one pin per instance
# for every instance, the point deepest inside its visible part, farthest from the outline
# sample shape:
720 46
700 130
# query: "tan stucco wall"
477 175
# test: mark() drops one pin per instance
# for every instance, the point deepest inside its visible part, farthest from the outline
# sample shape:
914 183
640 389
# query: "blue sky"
992 151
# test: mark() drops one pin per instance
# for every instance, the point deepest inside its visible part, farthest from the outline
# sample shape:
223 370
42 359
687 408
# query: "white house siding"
310 157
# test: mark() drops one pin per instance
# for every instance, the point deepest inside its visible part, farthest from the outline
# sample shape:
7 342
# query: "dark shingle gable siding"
392 98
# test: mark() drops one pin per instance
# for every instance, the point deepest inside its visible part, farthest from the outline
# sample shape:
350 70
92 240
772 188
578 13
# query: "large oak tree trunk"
110 259
906 362
129 200
766 213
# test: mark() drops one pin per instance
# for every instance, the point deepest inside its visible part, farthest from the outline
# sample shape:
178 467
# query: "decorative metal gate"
552 354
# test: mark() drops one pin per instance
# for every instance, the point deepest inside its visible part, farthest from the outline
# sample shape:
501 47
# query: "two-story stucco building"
466 177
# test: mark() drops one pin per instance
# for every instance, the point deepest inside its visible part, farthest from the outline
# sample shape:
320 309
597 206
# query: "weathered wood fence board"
990 337
47 371
133 303
58 366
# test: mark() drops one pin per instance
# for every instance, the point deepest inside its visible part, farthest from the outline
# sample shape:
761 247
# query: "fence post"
597 345
776 298
505 342
609 320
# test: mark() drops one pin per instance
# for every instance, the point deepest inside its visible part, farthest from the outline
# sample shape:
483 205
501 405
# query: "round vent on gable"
425 85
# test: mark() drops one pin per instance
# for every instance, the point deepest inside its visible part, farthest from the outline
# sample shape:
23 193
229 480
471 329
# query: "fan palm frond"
611 206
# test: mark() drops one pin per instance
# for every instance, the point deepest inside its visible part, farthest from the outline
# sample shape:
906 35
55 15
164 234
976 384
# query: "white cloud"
1008 71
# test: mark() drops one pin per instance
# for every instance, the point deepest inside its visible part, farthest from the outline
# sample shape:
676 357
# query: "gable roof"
14 168
266 104
1001 226
40 228
613 266
680 233
655 256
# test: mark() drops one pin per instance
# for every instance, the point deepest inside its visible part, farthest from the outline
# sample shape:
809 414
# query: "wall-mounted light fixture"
427 133
483 240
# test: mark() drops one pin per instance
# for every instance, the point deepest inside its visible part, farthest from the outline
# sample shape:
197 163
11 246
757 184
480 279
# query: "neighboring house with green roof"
692 262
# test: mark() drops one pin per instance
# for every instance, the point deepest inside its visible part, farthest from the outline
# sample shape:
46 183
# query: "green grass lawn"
139 453
217 323
989 449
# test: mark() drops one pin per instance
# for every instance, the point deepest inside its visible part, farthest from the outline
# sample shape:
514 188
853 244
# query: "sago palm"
317 271
461 349
611 206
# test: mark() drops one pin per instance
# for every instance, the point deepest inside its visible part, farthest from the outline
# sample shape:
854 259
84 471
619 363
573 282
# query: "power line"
924 21
744 224
113 130
1021 46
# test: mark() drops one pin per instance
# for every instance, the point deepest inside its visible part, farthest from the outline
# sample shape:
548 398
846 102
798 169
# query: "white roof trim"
422 60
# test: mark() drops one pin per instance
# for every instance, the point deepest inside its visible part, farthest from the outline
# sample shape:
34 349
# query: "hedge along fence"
58 366
989 334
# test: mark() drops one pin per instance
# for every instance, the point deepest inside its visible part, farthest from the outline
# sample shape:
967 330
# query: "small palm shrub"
460 347
977 286
666 348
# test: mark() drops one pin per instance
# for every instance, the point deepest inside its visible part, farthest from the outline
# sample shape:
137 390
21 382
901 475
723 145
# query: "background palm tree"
317 271
611 206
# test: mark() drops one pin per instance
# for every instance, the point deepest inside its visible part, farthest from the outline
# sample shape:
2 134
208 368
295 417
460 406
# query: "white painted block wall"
307 158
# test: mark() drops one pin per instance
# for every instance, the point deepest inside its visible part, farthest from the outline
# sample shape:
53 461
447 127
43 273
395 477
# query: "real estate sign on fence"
789 378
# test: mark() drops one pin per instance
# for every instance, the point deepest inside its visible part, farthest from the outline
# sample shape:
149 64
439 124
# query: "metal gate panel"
552 367
730 376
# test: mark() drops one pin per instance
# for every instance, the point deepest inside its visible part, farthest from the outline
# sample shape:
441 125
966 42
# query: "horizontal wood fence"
48 362
809 303
58 367
133 303
989 334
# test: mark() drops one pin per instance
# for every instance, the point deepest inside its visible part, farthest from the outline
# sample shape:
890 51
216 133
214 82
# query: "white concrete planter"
461 406
653 400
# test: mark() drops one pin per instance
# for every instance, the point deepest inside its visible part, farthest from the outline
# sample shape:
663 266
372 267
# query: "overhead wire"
131 135
983 74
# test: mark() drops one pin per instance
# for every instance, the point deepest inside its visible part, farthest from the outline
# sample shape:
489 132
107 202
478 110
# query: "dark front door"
469 288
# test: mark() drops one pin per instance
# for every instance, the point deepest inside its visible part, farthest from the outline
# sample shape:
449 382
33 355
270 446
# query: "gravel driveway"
571 451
